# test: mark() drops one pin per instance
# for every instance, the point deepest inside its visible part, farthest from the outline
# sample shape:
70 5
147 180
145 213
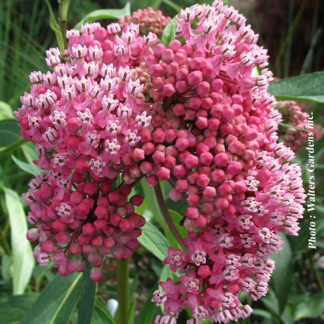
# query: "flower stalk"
123 290
62 19
166 215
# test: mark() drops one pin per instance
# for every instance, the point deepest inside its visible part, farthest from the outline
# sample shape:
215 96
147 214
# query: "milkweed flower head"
293 114
220 124
148 20
86 117
119 107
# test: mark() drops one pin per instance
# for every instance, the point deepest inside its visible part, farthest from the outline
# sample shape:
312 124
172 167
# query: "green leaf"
320 244
22 256
55 27
286 316
88 294
11 147
101 315
271 302
43 272
105 14
306 87
14 308
29 168
311 307
156 4
172 4
176 218
262 313
207 321
283 273
148 311
169 31
152 208
131 311
56 302
154 241
9 132
5 269
294 127
166 273
29 152
5 111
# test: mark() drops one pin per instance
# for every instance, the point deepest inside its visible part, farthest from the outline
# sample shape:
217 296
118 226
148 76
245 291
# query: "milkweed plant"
118 105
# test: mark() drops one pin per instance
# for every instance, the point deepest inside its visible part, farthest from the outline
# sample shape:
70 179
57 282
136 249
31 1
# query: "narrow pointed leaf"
172 4
166 273
131 311
30 168
306 87
156 4
312 306
56 302
152 208
5 111
101 314
9 132
104 14
29 151
55 27
14 308
87 301
169 31
283 273
154 241
148 311
22 255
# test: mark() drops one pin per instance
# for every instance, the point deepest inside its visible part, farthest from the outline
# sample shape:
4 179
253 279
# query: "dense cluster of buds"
117 107
294 115
224 158
148 20
84 117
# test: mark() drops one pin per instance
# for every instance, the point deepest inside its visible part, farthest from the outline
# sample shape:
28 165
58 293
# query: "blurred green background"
292 30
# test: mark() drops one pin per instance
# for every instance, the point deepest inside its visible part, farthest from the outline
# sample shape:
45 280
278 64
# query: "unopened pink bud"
168 90
221 203
158 157
202 180
194 78
204 271
203 88
96 274
192 213
234 167
191 161
221 159
202 122
163 173
209 193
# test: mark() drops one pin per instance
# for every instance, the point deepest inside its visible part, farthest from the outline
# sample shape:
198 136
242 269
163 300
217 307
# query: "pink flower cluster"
193 113
224 159
293 114
86 118
149 20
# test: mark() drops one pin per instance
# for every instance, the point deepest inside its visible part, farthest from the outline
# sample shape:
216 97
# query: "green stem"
166 215
38 283
62 18
123 290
